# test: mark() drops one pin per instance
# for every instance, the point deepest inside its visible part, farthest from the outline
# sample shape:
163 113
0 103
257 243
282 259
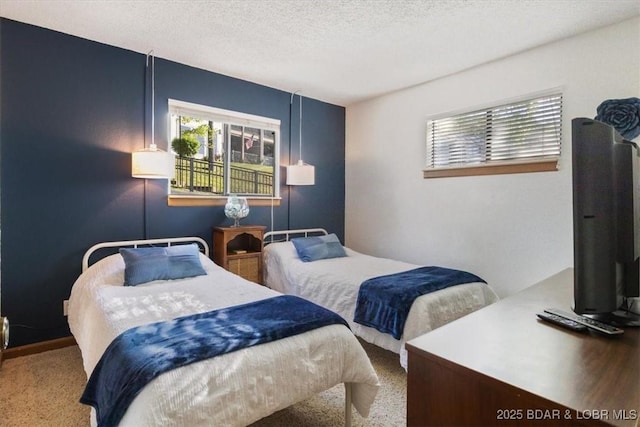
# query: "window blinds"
182 108
521 131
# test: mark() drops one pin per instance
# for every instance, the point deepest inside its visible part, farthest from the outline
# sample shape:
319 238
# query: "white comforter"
233 389
334 284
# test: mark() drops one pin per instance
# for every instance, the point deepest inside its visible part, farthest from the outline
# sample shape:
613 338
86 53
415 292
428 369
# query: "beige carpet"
42 390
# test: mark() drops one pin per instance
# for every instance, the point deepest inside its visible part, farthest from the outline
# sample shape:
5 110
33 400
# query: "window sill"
174 200
493 169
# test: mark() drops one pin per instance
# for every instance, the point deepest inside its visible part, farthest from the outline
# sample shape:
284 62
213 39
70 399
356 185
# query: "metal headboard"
302 232
148 242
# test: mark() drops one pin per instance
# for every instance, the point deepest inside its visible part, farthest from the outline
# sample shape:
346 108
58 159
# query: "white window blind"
182 108
522 131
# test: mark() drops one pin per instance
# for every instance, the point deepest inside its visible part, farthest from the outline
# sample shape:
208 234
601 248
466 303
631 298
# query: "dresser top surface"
506 342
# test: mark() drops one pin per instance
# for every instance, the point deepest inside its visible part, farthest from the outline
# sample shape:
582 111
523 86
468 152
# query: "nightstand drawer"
247 267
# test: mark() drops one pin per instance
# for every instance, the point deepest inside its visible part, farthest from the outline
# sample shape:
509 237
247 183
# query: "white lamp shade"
152 164
301 174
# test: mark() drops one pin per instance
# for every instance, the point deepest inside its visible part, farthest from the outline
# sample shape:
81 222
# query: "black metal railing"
202 176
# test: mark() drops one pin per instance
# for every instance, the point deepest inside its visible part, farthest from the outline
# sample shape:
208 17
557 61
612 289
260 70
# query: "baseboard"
38 347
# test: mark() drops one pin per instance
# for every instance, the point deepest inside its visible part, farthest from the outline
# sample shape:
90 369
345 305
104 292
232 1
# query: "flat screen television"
606 222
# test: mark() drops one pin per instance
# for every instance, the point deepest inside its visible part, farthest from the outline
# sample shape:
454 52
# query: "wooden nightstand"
239 250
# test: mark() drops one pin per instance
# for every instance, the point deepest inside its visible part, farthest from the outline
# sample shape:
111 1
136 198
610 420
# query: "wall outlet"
65 307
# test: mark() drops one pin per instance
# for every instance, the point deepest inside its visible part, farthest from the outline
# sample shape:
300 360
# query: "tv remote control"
561 321
586 321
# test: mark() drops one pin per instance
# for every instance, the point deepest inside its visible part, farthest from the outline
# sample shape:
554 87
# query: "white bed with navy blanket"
334 283
232 389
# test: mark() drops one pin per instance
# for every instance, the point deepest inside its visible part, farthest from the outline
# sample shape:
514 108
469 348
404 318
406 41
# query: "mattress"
334 284
233 389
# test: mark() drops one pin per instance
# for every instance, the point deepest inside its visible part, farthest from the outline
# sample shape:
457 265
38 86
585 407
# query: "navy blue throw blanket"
384 302
140 354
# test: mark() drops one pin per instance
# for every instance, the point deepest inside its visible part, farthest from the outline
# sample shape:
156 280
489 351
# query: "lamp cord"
300 127
288 186
272 218
144 208
290 132
153 72
153 90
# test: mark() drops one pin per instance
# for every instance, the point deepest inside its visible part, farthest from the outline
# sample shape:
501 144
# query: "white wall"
512 230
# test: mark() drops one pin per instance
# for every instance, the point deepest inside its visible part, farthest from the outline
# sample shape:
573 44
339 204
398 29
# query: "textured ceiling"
338 51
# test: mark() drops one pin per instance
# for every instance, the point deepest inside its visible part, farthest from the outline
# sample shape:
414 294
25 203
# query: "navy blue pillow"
142 265
318 247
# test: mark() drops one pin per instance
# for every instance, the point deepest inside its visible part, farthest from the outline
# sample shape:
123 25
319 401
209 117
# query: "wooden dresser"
239 250
502 366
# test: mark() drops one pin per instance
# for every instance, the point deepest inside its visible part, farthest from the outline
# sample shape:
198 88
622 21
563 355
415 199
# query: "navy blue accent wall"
72 112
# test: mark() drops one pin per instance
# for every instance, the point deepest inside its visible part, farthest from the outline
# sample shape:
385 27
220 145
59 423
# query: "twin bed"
242 386
232 389
334 284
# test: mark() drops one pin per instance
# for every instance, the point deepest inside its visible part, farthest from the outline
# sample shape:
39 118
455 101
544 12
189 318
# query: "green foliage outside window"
186 146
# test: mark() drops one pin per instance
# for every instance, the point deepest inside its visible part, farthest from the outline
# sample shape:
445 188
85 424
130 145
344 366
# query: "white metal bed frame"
205 248
135 243
295 233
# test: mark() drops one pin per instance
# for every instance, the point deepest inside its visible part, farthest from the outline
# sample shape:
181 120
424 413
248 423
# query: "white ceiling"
338 51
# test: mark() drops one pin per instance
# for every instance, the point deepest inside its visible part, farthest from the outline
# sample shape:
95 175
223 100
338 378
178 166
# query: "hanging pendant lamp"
152 162
301 173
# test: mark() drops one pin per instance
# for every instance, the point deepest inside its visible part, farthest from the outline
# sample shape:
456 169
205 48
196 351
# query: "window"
221 152
522 136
